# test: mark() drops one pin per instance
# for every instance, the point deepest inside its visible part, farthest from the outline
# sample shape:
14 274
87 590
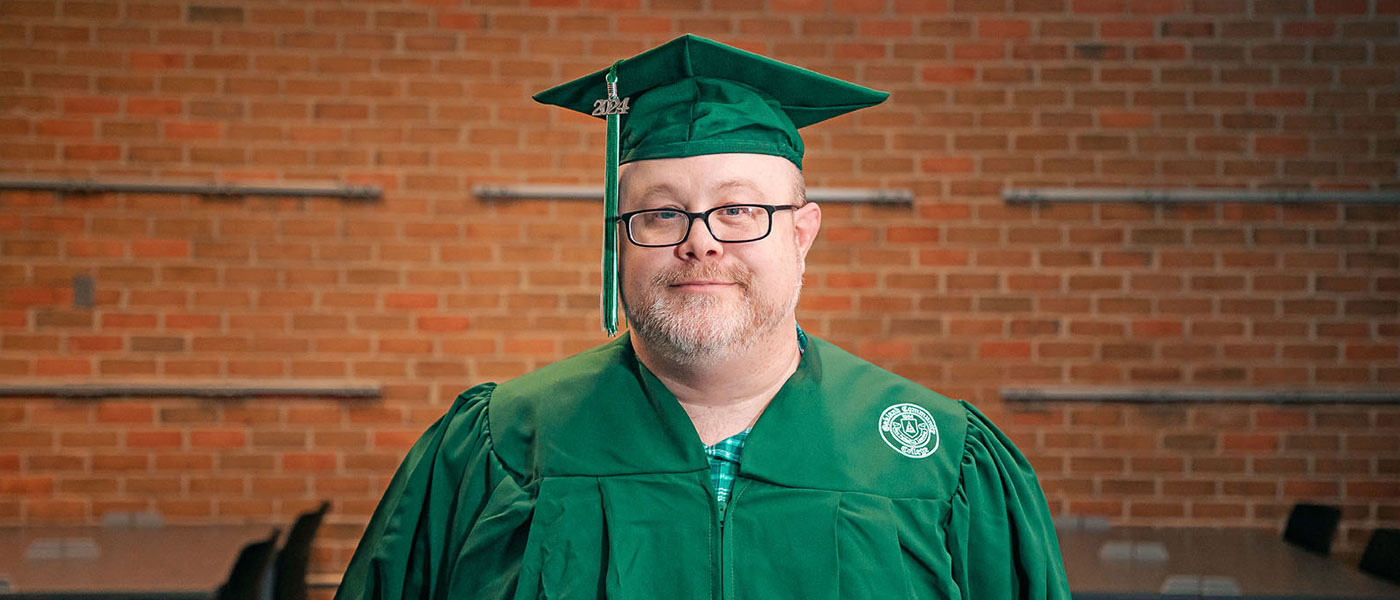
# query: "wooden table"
170 562
1225 563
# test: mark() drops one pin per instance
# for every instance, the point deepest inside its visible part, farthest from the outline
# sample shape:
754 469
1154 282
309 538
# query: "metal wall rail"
199 189
589 192
189 390
1199 395
1194 196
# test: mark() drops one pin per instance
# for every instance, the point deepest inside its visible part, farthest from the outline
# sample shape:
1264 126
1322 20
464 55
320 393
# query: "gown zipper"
722 513
725 510
717 553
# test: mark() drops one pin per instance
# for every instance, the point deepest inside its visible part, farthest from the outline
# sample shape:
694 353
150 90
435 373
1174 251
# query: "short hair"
799 188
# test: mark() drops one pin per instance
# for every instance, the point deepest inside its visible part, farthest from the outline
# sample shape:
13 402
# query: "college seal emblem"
909 429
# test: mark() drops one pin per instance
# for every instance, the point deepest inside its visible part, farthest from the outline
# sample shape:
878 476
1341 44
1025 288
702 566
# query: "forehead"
697 176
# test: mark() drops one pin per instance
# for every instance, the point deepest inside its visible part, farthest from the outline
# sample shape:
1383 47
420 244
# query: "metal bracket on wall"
83 291
588 192
221 390
62 187
1179 196
1128 395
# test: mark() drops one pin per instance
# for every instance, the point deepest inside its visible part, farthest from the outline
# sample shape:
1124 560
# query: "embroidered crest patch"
909 429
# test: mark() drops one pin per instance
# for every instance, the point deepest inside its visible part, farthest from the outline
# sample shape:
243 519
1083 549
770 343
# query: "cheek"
626 268
777 269
634 267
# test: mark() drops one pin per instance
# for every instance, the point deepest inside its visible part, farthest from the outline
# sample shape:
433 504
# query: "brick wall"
431 290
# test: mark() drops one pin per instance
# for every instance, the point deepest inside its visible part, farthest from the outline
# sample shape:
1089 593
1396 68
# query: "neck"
725 394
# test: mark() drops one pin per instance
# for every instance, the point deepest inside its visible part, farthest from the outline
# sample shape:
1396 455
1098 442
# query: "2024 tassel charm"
610 108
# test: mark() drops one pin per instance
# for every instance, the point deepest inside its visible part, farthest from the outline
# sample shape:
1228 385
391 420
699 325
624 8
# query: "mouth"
701 285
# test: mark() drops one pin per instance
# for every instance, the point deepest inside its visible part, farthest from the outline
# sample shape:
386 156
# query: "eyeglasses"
731 223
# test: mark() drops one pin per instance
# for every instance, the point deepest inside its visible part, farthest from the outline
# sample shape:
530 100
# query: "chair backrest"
1382 555
292 560
245 578
1312 527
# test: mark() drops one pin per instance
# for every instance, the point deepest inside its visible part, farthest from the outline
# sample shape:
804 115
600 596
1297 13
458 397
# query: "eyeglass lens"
737 223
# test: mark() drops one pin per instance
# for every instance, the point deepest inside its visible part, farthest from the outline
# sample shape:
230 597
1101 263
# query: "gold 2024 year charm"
610 106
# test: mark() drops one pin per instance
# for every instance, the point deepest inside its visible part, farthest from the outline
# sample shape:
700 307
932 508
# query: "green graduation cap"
694 96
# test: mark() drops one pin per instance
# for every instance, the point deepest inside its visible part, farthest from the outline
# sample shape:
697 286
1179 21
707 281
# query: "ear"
807 221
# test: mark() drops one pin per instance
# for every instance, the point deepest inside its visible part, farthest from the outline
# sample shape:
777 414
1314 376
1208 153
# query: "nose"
699 243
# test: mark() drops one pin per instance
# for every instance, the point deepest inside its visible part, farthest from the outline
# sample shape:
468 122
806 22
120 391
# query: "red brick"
443 323
858 6
994 350
875 350
216 438
949 74
1004 28
62 367
37 485
1341 7
308 462
1090 7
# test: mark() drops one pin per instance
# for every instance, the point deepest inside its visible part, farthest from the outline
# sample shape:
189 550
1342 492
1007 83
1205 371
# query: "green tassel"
609 295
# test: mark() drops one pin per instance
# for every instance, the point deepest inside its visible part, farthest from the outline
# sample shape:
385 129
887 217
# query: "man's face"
703 298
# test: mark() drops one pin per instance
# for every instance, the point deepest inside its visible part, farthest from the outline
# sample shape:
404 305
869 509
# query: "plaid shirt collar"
723 457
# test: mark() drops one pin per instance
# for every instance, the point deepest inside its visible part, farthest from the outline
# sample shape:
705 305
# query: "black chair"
1312 527
291 566
245 579
1382 555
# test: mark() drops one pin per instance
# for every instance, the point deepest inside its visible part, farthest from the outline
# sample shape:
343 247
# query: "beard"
703 328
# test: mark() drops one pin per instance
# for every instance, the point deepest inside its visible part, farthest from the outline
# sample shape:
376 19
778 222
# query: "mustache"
705 272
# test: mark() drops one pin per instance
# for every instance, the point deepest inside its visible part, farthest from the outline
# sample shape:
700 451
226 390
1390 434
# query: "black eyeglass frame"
704 216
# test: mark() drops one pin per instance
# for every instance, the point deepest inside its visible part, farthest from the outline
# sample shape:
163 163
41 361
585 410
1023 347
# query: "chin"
703 327
697 328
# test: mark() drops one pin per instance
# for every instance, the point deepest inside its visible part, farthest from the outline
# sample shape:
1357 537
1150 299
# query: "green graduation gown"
586 479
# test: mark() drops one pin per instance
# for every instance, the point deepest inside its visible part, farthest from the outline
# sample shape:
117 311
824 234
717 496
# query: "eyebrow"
663 190
740 183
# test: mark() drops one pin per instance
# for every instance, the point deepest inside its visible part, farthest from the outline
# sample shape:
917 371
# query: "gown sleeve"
1001 537
450 483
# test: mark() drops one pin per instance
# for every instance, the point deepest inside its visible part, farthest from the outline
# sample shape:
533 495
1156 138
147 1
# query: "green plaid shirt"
724 463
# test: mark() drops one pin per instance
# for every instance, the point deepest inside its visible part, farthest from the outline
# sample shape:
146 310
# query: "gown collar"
796 402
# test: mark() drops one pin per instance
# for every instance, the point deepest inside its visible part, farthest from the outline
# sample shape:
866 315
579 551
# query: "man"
715 450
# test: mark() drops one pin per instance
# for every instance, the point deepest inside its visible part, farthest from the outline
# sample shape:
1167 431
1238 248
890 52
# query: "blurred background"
225 357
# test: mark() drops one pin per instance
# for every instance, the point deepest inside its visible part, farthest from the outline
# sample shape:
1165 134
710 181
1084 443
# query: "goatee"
701 328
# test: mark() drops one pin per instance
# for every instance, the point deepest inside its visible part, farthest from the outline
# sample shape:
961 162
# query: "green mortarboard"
693 96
